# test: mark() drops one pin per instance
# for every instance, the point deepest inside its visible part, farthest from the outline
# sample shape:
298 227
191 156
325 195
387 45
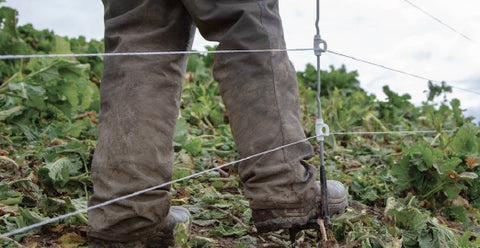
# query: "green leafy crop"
405 190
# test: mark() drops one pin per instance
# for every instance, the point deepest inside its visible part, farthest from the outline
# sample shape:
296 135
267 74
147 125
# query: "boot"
267 220
163 237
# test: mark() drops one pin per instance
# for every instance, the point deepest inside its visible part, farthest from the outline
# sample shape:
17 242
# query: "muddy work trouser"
140 98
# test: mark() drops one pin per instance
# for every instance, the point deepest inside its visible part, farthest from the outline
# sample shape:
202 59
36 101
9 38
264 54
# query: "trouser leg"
261 94
139 107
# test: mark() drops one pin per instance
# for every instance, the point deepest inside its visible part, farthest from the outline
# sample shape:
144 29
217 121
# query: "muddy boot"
267 220
163 237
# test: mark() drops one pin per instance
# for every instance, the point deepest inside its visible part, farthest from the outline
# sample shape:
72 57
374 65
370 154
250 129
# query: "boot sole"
280 223
336 206
162 240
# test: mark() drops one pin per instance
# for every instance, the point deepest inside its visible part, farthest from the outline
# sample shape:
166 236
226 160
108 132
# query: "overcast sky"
392 33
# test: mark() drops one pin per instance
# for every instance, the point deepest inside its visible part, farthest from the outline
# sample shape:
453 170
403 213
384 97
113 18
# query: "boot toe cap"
337 197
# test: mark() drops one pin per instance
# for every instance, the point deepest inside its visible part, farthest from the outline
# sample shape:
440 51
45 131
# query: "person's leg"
261 94
139 107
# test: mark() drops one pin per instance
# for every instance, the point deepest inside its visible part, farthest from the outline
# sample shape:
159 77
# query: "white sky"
390 32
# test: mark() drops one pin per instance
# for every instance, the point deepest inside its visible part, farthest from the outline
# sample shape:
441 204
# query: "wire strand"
80 211
382 66
45 222
390 132
464 89
30 56
400 71
439 21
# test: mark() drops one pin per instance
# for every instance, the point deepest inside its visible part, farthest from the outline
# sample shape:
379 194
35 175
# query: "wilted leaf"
71 240
182 233
468 175
471 162
12 210
460 201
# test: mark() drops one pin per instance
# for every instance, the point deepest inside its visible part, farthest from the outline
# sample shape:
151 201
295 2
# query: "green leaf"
452 190
227 231
29 217
193 146
62 46
194 64
449 165
7 113
48 73
406 217
89 93
181 130
426 240
458 213
74 205
411 219
401 173
9 21
181 173
9 197
204 223
428 157
60 170
465 140
70 93
35 95
75 129
468 241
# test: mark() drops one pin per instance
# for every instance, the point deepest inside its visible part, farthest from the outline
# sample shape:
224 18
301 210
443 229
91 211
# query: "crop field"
405 189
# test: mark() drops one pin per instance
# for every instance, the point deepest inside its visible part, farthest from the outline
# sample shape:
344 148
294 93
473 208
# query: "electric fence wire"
81 211
30 56
440 21
400 71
